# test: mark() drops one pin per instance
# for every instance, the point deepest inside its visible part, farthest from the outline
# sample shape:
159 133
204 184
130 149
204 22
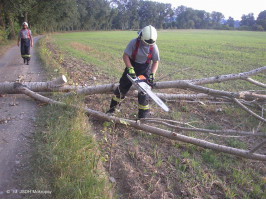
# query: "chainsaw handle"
151 84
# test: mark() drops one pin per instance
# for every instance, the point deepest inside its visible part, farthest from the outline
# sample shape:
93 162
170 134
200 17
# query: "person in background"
26 40
137 57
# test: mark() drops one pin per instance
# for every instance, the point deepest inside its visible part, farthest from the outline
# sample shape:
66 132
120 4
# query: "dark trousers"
25 49
125 83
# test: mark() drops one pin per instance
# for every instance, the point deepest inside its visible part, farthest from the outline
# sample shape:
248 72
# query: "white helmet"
148 35
25 23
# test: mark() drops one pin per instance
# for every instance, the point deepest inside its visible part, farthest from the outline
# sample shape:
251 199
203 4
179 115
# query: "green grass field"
151 163
199 54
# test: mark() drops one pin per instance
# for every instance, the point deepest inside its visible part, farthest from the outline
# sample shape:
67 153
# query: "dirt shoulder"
17 118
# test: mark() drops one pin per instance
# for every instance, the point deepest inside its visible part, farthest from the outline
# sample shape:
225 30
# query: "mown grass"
65 156
205 53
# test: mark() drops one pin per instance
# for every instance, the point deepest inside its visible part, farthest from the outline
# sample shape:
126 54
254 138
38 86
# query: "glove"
151 78
132 72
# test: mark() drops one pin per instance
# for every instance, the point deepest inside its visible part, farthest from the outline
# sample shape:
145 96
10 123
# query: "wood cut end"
64 78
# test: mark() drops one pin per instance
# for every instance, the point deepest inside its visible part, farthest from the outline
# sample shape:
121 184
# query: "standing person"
25 37
137 57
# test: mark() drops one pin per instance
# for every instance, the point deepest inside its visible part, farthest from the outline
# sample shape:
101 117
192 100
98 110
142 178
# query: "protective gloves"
151 79
132 72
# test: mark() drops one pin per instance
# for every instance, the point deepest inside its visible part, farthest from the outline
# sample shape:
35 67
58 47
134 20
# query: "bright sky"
233 8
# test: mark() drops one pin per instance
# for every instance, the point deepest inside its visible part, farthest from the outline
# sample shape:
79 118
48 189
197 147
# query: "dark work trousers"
125 83
25 48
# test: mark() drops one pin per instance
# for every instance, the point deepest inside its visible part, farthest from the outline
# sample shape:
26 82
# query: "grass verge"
65 158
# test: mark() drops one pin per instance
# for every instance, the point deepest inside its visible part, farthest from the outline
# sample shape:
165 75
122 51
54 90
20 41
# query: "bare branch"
154 130
227 132
227 136
228 77
248 110
169 121
257 147
262 115
256 82
183 96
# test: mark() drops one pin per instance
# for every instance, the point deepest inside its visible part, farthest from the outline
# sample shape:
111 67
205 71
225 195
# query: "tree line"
70 15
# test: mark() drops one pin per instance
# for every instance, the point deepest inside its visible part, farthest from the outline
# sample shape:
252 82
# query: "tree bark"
175 84
182 84
183 96
228 77
25 16
10 88
150 129
256 82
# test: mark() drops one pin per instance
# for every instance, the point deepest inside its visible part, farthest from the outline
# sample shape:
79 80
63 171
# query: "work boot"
111 111
143 114
113 106
28 62
24 60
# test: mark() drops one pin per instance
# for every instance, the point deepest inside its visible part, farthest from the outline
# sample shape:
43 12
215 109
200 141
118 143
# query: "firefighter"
25 37
141 57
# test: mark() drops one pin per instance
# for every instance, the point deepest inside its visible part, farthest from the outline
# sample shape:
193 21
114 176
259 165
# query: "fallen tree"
182 84
8 88
193 85
244 99
165 133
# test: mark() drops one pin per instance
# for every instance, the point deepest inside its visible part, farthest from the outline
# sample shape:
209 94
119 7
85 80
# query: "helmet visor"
149 42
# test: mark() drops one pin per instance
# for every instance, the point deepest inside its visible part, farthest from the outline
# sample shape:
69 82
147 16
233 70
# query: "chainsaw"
142 85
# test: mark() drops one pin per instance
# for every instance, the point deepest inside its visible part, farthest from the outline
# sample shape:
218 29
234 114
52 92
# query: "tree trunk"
10 88
177 84
25 16
11 24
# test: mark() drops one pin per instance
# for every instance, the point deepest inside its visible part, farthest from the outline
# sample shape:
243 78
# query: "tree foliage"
262 19
65 15
248 22
231 22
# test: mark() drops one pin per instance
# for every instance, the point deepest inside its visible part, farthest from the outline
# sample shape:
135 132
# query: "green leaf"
124 122
107 124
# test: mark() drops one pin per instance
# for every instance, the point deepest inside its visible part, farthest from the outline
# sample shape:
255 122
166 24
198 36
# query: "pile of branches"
246 100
